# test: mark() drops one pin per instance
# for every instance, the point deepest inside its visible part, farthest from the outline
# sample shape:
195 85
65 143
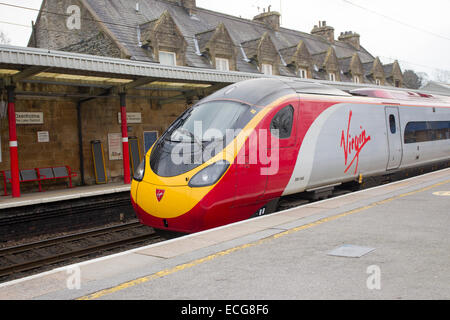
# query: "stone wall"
221 46
269 54
164 35
53 31
99 118
59 121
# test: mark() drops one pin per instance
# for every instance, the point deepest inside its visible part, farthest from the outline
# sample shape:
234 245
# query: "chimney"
350 37
189 5
269 18
323 30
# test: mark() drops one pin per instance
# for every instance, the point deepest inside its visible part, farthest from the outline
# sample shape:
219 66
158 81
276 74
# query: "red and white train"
310 136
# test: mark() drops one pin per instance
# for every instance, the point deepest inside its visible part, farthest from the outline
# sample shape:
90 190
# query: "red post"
14 157
125 150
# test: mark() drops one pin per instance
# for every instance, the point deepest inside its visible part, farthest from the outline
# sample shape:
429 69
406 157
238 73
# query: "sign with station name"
132 117
29 117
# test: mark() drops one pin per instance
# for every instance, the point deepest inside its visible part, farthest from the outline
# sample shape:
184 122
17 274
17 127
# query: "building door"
394 138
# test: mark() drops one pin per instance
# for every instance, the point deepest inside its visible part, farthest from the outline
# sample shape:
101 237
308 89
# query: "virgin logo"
353 145
159 194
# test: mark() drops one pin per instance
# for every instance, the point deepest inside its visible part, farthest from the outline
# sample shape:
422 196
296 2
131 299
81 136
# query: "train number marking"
261 212
353 144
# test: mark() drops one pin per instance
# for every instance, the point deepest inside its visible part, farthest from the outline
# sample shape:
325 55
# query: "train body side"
422 153
349 139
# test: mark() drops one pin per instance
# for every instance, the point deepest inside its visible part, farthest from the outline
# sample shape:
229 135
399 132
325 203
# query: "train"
236 153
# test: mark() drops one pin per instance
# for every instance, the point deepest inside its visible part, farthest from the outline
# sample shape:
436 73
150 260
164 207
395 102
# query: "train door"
283 153
265 171
250 185
394 138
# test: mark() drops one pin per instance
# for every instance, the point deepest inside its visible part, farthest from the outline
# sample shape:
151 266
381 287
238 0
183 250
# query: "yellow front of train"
188 162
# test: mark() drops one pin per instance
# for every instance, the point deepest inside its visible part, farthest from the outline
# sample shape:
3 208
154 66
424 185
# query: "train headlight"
139 173
209 175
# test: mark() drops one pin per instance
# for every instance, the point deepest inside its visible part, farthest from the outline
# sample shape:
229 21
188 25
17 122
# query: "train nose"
174 208
164 202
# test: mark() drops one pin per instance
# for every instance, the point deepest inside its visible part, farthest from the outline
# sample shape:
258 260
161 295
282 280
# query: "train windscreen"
198 135
208 121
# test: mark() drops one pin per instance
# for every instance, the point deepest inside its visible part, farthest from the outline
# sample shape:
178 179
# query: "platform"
29 199
395 238
43 214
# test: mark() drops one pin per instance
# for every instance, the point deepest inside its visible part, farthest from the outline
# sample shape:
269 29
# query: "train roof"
314 88
263 91
399 95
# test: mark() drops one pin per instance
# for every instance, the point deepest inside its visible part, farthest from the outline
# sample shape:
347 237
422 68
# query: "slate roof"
345 63
367 67
388 69
437 87
121 18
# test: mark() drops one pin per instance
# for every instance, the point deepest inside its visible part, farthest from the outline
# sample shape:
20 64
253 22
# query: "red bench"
38 175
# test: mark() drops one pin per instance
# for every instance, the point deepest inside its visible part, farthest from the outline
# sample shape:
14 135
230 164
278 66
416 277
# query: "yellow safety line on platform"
194 263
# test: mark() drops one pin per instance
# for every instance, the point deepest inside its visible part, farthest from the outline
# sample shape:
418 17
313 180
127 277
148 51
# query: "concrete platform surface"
395 242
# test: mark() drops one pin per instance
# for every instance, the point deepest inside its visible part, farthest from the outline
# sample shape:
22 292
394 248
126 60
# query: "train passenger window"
392 124
281 125
422 131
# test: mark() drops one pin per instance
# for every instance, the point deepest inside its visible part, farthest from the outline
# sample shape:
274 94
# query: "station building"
91 62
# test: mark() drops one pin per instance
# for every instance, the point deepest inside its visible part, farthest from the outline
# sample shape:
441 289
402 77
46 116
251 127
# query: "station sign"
115 146
29 118
132 117
43 136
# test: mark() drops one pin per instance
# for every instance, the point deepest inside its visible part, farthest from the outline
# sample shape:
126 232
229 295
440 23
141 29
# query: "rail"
32 256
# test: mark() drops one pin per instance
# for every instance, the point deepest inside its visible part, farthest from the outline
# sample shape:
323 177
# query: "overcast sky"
417 33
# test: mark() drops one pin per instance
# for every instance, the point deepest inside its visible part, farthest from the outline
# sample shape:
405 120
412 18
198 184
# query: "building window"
332 77
423 131
356 79
222 64
303 73
267 69
167 58
378 82
397 83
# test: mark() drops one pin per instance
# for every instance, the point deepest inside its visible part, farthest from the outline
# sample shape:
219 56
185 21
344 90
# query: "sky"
416 33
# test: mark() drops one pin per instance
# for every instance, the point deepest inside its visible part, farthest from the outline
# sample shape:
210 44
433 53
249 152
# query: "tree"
424 77
442 76
411 80
4 38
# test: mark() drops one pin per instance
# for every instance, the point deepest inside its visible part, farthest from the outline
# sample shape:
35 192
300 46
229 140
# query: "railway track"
30 258
34 256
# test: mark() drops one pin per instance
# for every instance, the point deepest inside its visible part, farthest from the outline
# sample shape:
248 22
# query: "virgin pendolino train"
274 138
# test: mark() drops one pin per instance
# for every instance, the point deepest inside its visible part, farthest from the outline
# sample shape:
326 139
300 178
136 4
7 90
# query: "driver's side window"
281 125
